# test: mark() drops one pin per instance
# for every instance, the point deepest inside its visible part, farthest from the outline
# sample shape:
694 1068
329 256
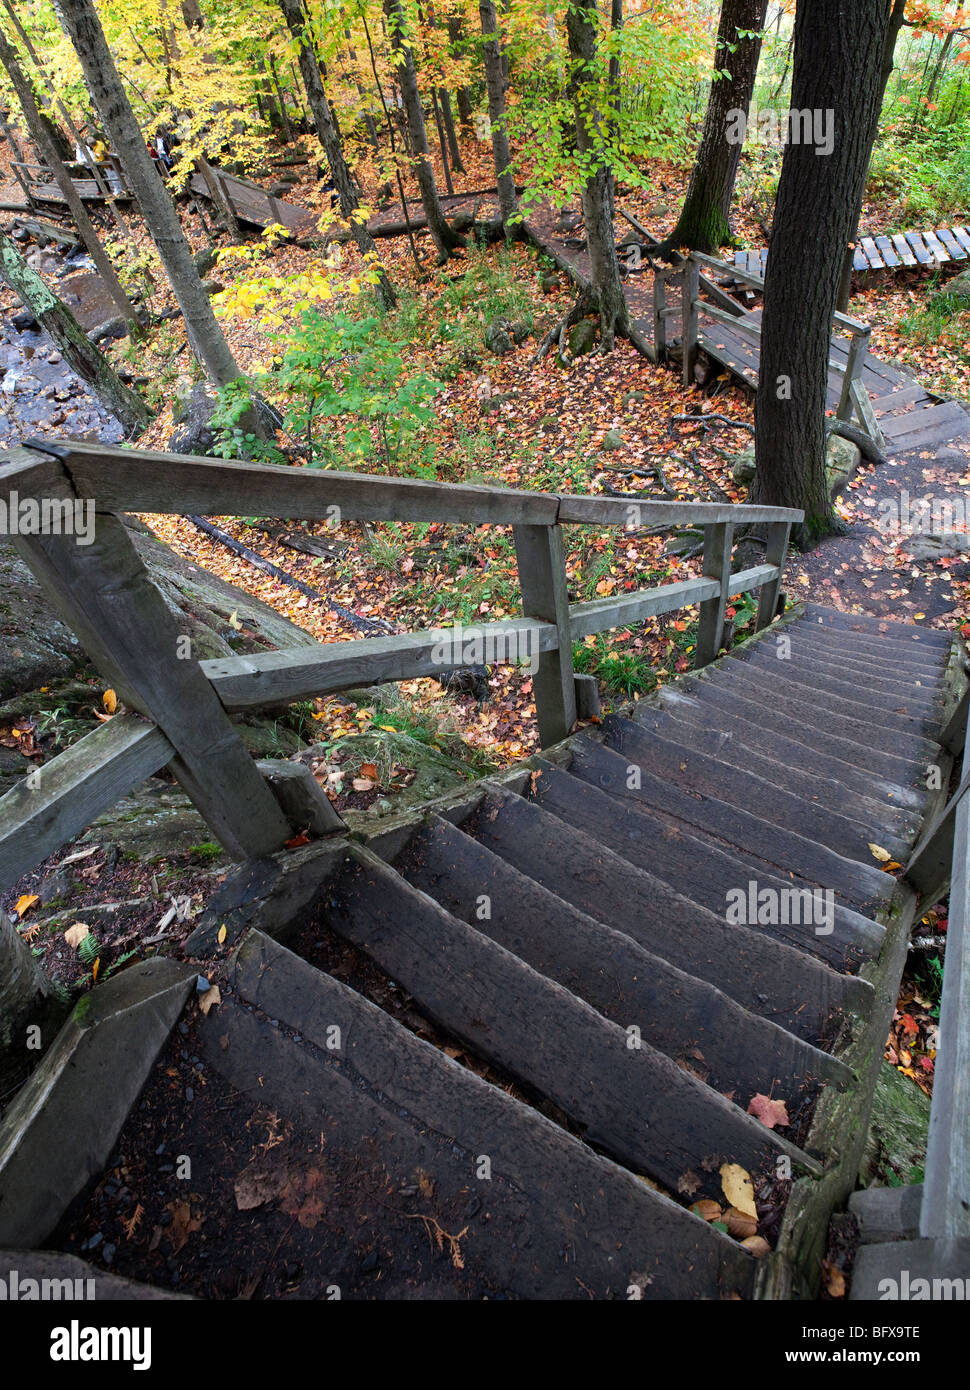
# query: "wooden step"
552 1220
790 776
765 713
694 864
632 1102
881 628
704 775
909 395
687 1019
929 428
855 883
795 702
791 681
919 707
915 665
761 973
788 751
857 667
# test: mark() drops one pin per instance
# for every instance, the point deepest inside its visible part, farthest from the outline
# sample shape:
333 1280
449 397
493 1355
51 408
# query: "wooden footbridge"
635 937
693 306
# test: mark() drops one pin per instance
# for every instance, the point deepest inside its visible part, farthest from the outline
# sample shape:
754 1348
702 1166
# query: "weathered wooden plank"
919 250
917 703
633 512
302 800
936 248
887 1213
490 1000
556 1221
776 553
600 615
945 1211
957 253
859 259
935 857
885 629
60 799
903 249
886 251
750 328
179 484
718 544
267 678
545 599
694 864
625 983
963 237
25 473
911 1269
872 254
673 759
762 974
857 884
105 594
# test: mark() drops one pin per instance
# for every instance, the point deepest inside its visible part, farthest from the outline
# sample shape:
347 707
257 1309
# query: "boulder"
498 338
955 293
193 413
612 440
743 471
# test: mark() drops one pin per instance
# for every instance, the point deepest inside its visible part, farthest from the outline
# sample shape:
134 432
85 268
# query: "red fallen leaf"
926 1063
297 842
769 1112
908 1024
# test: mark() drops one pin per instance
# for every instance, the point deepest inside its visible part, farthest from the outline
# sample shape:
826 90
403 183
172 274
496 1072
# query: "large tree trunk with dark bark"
704 222
49 152
444 237
838 60
83 27
608 299
79 352
896 21
495 86
332 147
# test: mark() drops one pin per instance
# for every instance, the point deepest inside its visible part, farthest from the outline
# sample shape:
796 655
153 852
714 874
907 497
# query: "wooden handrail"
105 594
943 857
117 480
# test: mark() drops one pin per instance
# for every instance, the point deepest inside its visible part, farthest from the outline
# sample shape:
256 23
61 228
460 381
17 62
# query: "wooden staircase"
568 927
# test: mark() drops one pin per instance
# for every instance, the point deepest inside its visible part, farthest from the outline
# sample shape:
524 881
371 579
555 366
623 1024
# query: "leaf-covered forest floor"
602 423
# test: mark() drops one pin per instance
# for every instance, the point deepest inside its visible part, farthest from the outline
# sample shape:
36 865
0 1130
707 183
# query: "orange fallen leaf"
25 902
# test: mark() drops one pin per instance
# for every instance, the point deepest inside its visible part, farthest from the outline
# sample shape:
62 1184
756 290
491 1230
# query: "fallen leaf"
707 1209
834 1280
369 770
211 996
363 784
879 853
221 935
110 701
76 933
757 1245
182 1225
25 902
234 622
770 1112
738 1189
740 1224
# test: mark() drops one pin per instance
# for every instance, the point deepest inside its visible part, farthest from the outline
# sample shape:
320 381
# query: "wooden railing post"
858 347
691 292
776 553
660 315
542 579
718 544
107 597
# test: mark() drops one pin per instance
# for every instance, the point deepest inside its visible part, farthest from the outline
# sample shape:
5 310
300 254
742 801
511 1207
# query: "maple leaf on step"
770 1112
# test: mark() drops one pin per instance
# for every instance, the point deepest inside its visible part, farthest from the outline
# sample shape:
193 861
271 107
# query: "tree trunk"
332 148
896 22
456 37
448 116
81 23
495 86
192 14
445 239
49 153
23 985
81 355
704 222
442 142
607 289
837 68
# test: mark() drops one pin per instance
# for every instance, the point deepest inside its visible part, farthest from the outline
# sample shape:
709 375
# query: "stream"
39 394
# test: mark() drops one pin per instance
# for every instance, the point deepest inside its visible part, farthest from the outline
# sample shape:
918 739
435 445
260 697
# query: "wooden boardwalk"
944 246
909 416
